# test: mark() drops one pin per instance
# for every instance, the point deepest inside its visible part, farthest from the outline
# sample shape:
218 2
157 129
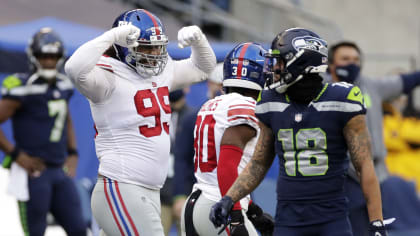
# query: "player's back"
214 117
312 152
39 125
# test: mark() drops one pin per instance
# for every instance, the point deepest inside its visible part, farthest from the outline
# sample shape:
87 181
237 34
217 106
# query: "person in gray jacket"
345 62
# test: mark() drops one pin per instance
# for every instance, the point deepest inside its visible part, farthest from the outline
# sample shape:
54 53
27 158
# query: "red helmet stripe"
241 59
154 21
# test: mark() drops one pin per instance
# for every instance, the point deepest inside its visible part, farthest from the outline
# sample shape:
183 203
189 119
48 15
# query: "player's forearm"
71 137
86 56
202 55
371 191
5 145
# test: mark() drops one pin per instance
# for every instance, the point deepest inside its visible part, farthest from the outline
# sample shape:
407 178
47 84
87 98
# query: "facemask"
306 89
348 73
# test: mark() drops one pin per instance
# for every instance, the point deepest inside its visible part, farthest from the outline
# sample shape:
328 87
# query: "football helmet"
43 44
243 66
150 56
294 53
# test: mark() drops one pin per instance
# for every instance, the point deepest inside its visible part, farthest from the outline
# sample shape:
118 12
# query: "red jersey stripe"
104 65
241 111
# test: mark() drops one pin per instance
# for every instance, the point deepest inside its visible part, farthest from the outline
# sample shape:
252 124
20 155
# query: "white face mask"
47 74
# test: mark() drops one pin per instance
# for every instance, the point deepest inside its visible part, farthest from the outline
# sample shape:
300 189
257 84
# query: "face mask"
348 73
306 89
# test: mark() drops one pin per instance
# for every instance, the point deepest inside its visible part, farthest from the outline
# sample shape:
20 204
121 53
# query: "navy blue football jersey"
312 151
40 124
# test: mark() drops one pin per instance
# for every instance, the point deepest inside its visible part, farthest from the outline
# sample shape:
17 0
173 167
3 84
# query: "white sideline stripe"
337 106
271 107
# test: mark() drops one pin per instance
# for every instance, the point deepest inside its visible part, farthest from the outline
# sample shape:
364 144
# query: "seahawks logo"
311 43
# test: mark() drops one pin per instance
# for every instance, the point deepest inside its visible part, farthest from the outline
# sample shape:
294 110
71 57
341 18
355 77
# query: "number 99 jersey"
312 151
214 117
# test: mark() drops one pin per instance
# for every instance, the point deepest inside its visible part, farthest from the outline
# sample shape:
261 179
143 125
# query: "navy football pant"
53 192
339 227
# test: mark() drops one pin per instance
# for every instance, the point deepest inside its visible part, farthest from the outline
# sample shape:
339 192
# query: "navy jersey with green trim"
40 124
312 150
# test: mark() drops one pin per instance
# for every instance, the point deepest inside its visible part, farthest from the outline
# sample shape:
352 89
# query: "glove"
262 221
377 228
237 226
125 35
219 212
189 35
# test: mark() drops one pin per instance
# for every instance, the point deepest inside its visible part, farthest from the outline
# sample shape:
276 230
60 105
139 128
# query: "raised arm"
358 143
93 82
201 62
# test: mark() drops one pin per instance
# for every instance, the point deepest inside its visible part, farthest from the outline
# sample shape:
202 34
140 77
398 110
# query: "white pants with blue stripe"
126 209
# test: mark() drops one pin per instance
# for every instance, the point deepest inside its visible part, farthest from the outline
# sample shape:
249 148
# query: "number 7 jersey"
214 117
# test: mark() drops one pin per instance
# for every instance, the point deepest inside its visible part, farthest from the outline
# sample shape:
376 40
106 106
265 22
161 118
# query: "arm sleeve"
93 82
227 169
196 68
410 81
184 156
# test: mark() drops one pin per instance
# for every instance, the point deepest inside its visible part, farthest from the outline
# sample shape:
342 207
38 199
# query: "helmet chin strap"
48 74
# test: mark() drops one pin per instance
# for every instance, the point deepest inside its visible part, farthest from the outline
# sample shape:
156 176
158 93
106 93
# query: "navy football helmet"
243 67
45 43
294 53
150 56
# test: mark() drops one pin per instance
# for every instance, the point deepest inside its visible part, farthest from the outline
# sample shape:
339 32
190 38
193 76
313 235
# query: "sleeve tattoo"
257 168
358 141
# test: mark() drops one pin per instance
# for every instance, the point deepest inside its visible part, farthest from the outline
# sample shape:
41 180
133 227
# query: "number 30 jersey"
214 117
312 151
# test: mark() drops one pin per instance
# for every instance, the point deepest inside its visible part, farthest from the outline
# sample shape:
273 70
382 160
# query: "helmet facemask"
148 59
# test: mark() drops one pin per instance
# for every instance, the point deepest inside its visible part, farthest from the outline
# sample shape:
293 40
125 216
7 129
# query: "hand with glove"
189 35
125 35
220 211
377 228
262 221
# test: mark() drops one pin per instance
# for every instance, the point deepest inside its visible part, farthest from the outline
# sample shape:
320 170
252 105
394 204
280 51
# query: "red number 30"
153 110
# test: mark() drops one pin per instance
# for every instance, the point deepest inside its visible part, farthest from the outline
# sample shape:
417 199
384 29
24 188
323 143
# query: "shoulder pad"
12 81
355 95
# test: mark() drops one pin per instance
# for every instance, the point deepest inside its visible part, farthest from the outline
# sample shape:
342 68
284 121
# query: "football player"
126 74
225 135
311 126
37 103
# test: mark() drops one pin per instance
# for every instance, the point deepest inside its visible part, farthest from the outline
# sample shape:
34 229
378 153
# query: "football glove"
219 212
237 226
189 35
262 221
377 228
125 35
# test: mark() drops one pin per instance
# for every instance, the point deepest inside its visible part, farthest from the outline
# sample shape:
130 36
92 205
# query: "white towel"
18 182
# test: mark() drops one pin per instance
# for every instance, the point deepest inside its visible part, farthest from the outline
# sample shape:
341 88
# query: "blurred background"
387 31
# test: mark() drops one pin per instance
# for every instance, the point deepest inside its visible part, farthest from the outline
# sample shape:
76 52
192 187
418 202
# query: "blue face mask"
348 73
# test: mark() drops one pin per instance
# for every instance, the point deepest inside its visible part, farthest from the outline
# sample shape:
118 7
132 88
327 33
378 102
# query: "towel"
18 182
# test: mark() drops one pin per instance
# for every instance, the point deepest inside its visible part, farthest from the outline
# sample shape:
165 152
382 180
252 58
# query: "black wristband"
71 151
14 154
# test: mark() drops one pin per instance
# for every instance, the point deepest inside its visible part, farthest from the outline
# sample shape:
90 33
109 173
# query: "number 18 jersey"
214 117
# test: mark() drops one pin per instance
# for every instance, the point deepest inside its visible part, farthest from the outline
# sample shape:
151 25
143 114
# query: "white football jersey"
214 117
132 141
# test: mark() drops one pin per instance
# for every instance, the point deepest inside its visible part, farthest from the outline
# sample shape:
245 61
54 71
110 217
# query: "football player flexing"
310 126
126 74
225 135
37 103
